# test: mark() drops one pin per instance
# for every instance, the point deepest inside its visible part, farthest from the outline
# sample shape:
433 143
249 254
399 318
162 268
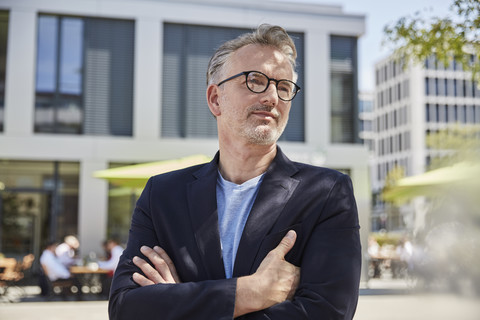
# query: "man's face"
256 118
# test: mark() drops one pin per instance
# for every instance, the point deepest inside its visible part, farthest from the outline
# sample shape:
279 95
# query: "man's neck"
238 164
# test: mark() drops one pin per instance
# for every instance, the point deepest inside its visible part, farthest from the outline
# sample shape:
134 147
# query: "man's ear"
213 99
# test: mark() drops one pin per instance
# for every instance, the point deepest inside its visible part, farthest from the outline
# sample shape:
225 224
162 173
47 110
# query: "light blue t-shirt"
234 202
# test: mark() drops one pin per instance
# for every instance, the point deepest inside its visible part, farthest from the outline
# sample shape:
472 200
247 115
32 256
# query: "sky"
379 13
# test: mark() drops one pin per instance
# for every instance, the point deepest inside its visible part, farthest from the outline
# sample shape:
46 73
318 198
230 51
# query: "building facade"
95 84
409 103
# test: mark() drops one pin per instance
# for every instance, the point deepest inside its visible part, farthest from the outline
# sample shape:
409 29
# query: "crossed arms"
274 281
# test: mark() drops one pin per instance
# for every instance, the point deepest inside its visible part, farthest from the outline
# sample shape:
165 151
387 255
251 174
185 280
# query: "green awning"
136 176
432 183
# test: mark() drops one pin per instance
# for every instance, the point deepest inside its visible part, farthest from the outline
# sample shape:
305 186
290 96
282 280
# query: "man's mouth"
265 114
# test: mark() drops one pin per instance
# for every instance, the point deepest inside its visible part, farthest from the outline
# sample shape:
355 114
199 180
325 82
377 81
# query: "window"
84 81
187 51
467 88
450 87
443 113
3 61
343 75
39 202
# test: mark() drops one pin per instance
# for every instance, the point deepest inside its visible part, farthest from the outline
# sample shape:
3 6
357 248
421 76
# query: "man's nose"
270 96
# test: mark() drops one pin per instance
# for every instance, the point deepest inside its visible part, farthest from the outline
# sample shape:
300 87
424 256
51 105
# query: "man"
66 250
52 266
114 251
250 234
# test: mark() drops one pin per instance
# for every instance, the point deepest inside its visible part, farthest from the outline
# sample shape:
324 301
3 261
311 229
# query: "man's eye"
256 81
285 87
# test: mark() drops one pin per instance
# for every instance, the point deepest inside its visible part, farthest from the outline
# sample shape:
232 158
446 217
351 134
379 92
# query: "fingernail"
290 234
135 259
143 248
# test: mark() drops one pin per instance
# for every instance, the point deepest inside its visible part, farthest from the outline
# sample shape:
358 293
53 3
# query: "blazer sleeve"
330 263
209 299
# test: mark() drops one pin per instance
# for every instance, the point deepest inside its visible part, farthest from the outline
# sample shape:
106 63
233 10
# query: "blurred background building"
407 106
87 85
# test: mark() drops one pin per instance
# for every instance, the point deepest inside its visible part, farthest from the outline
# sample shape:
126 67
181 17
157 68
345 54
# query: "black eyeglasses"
258 82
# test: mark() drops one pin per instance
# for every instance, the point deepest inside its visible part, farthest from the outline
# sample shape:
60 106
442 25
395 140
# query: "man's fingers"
149 272
141 280
296 281
173 271
163 265
287 243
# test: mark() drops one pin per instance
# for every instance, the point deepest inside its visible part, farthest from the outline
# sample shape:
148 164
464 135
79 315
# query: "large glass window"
344 101
3 62
84 81
121 203
38 202
187 50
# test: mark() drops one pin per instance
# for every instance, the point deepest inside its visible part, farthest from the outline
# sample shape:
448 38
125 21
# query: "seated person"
52 266
66 250
114 251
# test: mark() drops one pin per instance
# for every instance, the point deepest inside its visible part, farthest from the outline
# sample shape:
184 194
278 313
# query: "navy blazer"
178 212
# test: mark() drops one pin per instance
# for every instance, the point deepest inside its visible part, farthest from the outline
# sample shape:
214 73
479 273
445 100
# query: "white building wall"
20 70
417 119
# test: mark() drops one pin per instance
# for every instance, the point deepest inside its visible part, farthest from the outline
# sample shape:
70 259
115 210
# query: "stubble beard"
262 132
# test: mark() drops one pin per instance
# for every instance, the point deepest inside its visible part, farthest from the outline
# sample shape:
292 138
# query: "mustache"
264 108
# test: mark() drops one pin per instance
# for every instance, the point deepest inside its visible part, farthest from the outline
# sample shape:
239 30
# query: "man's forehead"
253 56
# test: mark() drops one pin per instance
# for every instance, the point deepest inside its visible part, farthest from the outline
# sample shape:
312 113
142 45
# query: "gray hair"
265 34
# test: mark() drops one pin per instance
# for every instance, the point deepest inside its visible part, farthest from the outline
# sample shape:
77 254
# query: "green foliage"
456 144
397 173
416 38
385 238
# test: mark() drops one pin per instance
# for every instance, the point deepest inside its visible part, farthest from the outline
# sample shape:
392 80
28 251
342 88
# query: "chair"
11 274
62 287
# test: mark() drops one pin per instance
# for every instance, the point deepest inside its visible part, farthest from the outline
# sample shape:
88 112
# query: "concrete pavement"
381 300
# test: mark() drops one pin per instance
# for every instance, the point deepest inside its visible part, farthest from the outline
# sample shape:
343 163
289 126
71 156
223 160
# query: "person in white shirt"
114 251
52 266
66 250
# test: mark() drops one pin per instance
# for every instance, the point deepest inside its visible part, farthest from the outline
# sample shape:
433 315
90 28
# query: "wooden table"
87 270
91 279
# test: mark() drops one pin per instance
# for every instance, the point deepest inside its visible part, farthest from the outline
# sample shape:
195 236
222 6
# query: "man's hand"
163 271
275 280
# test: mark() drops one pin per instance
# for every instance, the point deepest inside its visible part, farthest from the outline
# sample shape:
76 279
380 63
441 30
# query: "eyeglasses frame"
246 73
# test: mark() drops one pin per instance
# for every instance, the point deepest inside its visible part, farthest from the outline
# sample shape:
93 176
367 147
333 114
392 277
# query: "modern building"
410 103
87 85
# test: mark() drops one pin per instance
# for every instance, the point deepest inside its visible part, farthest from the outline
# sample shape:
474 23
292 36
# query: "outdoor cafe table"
91 279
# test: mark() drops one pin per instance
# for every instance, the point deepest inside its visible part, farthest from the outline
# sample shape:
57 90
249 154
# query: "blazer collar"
202 204
276 189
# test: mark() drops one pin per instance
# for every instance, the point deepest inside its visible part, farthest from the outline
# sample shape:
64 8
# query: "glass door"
24 217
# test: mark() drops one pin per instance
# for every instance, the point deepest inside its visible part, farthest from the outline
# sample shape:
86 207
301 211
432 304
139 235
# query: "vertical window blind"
344 100
84 82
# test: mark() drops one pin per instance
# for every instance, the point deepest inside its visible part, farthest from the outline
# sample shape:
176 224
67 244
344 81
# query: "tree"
416 38
454 145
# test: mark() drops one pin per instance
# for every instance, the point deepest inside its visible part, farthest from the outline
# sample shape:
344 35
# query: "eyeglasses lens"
258 82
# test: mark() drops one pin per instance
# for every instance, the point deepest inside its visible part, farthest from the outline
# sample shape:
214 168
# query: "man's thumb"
287 242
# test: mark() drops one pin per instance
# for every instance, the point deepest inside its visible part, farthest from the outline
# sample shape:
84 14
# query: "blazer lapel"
276 189
202 205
